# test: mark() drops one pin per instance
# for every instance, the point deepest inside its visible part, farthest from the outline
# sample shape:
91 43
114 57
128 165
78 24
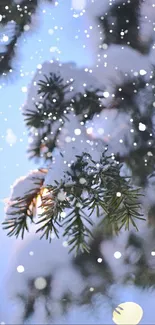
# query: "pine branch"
53 91
50 114
43 145
22 209
88 104
103 192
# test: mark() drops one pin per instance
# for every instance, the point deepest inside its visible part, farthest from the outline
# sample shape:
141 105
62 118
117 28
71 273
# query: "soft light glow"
39 208
53 235
40 283
5 38
106 94
100 131
39 66
142 127
77 131
50 31
78 4
65 244
91 289
53 49
82 180
118 194
20 269
117 255
26 28
24 89
127 313
63 214
99 260
142 72
68 139
153 253
90 130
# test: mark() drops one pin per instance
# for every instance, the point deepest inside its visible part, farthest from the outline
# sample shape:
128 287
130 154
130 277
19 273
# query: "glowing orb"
127 313
40 283
20 269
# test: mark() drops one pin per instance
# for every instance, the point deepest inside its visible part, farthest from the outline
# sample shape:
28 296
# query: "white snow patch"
10 137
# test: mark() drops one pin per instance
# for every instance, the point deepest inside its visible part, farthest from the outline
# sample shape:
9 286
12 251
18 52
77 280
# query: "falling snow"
73 45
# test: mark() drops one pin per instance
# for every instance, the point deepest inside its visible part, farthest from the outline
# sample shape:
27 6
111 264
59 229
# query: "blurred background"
67 31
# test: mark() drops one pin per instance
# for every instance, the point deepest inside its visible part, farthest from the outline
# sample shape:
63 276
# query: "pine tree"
90 191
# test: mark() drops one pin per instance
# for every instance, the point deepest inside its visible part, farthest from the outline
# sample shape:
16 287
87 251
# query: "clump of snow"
26 183
116 66
70 75
98 8
32 182
115 127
